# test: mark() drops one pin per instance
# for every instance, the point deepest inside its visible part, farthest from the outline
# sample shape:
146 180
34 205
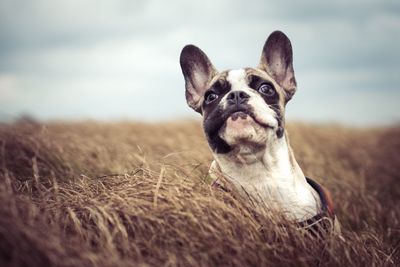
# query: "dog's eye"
266 89
211 97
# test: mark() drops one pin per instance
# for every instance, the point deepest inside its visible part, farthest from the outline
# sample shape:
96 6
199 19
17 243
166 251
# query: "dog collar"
324 220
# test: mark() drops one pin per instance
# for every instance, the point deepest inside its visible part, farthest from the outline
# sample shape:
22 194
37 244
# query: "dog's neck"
271 177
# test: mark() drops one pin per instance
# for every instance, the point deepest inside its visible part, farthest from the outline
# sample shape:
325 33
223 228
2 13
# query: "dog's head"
245 106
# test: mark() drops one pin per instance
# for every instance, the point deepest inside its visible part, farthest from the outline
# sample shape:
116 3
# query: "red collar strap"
326 218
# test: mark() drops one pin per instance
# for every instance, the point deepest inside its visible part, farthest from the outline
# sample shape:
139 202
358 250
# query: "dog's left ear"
277 61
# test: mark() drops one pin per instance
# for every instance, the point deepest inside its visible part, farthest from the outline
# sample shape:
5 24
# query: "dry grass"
134 194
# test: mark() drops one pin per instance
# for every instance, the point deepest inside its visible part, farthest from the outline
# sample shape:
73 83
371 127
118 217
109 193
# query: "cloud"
114 59
8 87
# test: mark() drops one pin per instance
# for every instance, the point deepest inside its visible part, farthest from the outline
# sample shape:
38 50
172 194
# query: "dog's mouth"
239 114
245 115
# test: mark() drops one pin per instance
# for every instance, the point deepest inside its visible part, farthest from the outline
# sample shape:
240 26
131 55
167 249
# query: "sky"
117 60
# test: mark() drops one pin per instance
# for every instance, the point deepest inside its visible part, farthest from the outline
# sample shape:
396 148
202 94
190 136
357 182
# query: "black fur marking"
280 132
279 118
218 145
255 82
221 88
213 117
273 102
215 120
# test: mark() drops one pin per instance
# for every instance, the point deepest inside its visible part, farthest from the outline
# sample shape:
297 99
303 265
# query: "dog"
243 113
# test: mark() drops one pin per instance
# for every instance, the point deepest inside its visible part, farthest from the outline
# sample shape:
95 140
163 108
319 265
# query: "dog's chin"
241 128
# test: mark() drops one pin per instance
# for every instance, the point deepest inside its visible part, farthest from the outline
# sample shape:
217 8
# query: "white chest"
277 185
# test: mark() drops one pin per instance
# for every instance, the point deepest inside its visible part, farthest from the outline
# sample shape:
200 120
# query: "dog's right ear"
277 61
198 72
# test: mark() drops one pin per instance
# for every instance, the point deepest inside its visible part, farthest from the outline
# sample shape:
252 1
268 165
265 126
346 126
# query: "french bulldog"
243 113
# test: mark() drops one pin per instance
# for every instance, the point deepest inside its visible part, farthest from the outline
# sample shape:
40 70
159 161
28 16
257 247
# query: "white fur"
269 179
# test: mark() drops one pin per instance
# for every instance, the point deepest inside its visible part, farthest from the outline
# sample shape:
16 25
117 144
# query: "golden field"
138 194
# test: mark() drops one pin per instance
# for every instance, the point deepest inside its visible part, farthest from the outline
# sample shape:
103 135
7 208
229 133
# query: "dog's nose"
237 97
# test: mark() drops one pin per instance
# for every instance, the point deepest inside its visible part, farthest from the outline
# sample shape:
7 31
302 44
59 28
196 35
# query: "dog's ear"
198 72
277 61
